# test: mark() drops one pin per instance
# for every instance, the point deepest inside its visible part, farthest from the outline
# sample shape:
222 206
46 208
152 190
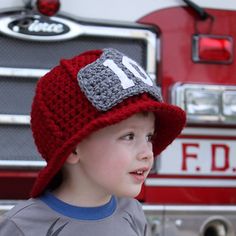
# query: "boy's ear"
73 158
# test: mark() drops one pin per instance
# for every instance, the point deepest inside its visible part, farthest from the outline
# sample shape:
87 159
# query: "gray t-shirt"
48 216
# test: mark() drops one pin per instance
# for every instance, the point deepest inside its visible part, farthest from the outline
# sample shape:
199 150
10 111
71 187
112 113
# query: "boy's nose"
145 152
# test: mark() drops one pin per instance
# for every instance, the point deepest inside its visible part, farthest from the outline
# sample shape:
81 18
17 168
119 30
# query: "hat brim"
169 123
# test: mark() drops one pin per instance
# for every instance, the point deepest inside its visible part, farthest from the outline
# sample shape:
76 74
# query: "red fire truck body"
187 47
202 161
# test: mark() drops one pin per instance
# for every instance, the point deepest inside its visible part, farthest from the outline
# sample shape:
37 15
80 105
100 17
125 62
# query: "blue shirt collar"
79 213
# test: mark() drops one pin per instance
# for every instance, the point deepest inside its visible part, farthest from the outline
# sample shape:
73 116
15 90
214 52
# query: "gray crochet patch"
112 78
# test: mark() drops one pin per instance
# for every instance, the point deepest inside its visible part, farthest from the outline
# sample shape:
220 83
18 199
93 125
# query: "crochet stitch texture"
62 116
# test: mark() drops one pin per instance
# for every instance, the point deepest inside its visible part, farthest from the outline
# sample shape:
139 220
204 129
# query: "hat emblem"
114 77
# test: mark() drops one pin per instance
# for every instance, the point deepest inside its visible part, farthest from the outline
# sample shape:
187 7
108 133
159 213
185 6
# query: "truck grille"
23 61
32 54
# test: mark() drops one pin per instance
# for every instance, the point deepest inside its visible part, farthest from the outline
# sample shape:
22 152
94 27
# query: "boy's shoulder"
19 214
30 217
27 207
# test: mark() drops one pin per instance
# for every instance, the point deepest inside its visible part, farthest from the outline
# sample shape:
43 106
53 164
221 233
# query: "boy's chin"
131 193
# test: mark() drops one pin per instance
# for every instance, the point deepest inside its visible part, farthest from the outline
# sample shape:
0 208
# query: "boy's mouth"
139 171
139 175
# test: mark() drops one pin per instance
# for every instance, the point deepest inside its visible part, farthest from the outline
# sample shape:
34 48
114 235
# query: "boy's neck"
76 198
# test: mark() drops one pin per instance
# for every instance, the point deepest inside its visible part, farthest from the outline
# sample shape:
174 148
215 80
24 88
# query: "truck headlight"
201 102
229 103
206 103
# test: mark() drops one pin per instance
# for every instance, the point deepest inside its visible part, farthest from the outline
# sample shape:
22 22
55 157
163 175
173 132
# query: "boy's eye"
129 136
150 137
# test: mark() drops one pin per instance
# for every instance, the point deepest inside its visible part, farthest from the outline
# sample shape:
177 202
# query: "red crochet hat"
86 93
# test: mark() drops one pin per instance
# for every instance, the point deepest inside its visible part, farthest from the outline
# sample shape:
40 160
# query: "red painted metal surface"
176 27
190 195
16 184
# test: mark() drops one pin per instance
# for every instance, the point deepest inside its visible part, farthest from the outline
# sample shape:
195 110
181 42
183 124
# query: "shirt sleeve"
8 227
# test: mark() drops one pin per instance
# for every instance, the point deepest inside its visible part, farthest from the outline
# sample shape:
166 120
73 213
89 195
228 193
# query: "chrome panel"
191 220
22 165
6 205
22 72
14 119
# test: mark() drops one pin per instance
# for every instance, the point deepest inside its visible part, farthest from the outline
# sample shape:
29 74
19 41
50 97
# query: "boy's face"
117 159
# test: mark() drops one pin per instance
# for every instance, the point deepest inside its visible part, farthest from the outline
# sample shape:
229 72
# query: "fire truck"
187 47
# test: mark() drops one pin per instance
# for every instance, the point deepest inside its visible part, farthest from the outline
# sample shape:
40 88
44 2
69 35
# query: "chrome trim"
154 182
14 119
13 164
77 29
6 205
153 207
220 225
188 208
178 98
226 132
22 72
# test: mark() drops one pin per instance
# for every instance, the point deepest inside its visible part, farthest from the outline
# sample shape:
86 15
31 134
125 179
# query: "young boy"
98 120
